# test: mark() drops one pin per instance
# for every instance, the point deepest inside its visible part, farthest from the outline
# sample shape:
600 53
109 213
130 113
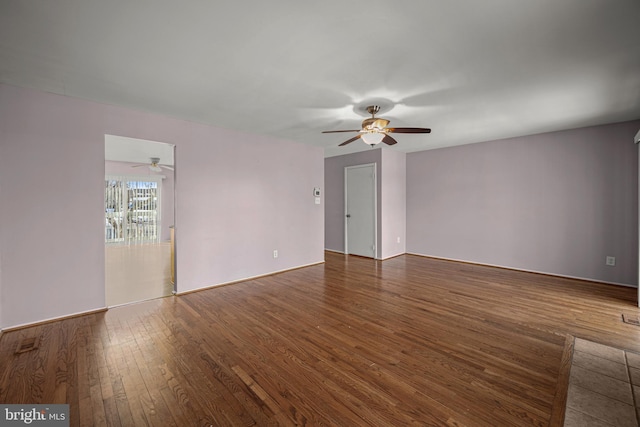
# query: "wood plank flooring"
352 342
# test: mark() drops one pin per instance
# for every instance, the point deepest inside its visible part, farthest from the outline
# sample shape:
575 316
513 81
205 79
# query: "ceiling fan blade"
388 140
408 130
137 166
336 131
166 167
350 140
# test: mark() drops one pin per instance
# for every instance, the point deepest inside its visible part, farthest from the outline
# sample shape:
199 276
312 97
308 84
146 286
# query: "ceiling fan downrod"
373 110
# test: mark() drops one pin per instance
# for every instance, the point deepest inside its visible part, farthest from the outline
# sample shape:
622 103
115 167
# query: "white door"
360 210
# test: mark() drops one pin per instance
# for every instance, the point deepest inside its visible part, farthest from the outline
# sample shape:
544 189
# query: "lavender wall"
393 181
239 197
556 203
52 245
167 214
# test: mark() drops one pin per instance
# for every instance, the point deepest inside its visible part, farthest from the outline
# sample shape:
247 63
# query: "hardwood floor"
407 341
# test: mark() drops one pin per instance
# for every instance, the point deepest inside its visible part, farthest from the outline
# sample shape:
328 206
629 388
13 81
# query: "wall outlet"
611 260
275 253
398 239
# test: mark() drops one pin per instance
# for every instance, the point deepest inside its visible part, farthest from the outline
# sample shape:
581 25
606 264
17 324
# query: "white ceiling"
471 70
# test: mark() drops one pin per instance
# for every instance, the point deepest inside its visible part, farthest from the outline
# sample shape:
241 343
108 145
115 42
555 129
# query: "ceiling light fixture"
154 164
373 138
375 130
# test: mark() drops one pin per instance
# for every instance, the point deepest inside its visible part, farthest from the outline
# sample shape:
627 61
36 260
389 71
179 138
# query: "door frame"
375 206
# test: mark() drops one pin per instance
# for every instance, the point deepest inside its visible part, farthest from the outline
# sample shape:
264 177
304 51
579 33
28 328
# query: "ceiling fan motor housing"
374 124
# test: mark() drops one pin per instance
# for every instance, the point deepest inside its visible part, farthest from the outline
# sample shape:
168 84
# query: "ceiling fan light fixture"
373 138
154 164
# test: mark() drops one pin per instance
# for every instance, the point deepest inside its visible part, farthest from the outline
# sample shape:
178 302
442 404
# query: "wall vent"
631 319
27 344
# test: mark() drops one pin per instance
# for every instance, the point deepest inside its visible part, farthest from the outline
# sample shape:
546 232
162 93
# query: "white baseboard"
53 319
249 278
525 270
335 251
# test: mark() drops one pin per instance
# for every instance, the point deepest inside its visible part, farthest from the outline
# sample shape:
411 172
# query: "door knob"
348 215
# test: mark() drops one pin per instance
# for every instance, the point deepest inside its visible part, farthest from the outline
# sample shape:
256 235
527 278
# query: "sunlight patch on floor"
137 272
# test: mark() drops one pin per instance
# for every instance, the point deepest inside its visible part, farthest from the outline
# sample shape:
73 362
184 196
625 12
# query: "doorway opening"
139 195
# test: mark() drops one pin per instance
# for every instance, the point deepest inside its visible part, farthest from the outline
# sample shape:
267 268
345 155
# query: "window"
132 209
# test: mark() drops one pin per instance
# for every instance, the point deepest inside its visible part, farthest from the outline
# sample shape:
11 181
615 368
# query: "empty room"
337 213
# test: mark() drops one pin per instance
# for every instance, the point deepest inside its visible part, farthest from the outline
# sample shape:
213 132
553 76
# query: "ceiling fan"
155 165
374 130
